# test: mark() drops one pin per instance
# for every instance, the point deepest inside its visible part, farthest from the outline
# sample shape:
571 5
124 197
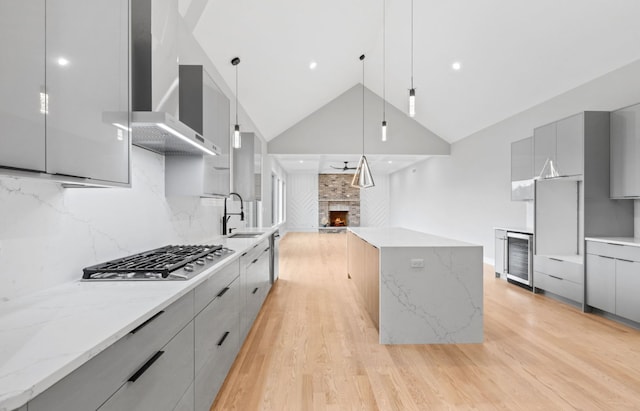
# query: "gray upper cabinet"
87 72
205 108
544 147
570 145
22 104
81 54
244 168
625 151
522 170
563 143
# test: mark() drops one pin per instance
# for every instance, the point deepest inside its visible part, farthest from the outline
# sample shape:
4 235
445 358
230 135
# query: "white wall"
49 233
302 202
465 195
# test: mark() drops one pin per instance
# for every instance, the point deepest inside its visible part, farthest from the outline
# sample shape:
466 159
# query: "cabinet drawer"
623 252
221 316
564 288
559 268
208 290
163 383
90 385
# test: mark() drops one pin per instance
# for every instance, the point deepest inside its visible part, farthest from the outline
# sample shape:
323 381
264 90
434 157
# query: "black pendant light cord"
236 94
384 60
362 59
412 44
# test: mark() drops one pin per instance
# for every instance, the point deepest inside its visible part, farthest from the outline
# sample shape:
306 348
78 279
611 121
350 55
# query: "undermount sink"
244 235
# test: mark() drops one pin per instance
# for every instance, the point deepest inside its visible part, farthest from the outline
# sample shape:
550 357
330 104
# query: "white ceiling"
514 54
324 164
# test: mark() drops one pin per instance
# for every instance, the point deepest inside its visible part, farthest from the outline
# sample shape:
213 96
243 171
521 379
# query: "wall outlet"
417 263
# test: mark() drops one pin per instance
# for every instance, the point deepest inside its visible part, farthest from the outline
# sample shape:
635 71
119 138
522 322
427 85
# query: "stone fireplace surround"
335 193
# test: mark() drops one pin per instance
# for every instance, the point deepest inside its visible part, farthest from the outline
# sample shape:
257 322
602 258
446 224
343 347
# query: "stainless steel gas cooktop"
172 262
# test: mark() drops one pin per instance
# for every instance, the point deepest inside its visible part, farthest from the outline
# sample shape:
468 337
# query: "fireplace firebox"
338 218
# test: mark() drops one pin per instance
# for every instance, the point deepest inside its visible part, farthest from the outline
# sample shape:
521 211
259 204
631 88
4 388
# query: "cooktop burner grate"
160 261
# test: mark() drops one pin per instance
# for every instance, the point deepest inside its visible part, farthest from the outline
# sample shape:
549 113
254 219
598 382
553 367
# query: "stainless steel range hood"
154 122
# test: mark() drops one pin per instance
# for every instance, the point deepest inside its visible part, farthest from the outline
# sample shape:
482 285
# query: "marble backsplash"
49 233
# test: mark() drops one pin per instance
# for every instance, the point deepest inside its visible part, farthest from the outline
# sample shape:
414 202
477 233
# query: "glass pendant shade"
363 178
237 139
412 102
384 130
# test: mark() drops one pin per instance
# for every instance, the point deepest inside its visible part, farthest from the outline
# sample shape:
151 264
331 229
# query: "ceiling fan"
345 168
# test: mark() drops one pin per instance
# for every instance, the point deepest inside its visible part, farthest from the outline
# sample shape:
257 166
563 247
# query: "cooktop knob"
209 257
188 267
200 262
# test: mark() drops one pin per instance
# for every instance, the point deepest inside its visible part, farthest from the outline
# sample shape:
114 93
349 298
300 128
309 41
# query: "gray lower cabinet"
601 282
88 387
187 401
561 277
254 272
217 342
628 289
500 252
162 381
625 151
613 278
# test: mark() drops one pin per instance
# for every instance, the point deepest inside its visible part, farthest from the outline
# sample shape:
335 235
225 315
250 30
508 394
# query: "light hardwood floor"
313 347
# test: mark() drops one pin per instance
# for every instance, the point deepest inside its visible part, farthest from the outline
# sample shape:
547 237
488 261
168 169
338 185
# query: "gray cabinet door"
163 383
570 145
544 147
601 282
87 72
627 286
22 93
501 240
625 151
522 159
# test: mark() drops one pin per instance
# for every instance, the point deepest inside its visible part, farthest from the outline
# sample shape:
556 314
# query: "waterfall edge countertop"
47 335
430 287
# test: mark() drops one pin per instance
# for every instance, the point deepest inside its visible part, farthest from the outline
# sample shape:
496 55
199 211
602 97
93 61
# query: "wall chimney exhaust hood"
155 85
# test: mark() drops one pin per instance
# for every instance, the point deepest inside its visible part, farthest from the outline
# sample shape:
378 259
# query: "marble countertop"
47 335
402 237
631 241
515 229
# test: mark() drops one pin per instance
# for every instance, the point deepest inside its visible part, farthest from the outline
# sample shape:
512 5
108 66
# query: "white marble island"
418 288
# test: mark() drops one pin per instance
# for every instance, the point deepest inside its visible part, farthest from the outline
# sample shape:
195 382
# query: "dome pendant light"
384 89
236 141
412 90
363 178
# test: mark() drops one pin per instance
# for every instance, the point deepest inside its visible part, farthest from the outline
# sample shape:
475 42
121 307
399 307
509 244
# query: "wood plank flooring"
313 347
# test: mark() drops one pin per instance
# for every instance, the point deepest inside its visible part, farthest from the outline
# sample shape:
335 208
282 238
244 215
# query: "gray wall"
465 195
336 128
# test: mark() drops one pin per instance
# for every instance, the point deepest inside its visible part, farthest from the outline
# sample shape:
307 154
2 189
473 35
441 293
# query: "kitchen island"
418 288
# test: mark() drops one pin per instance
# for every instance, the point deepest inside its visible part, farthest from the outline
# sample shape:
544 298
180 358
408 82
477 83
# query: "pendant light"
363 178
236 141
412 90
384 89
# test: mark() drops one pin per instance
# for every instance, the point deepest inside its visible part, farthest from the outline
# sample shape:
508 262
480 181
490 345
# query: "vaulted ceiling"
514 54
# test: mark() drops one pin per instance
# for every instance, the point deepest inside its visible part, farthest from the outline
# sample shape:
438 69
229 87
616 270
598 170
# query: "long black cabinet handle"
627 261
557 278
606 256
255 290
146 366
267 249
617 245
556 259
224 337
224 290
144 324
254 261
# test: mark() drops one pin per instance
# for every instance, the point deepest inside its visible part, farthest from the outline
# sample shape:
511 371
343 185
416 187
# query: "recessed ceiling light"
301 161
62 61
389 161
456 66
313 65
